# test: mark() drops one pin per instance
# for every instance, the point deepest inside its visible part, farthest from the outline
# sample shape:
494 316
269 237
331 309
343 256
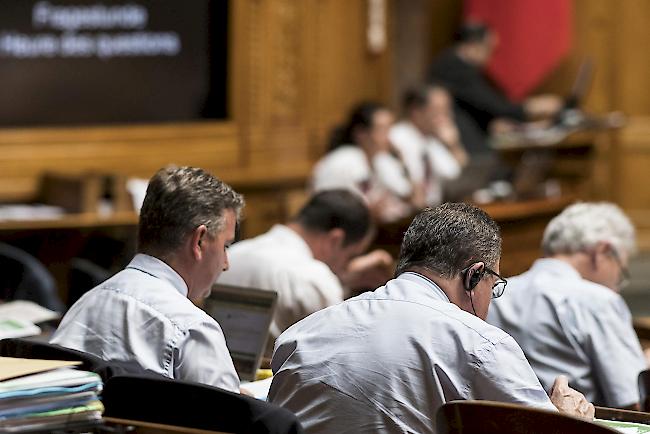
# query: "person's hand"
369 271
448 133
543 106
570 401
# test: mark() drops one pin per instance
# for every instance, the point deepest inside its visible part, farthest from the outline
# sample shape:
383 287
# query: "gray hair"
178 200
448 238
583 225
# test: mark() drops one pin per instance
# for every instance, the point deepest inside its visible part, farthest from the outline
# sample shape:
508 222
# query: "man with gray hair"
143 315
386 361
566 312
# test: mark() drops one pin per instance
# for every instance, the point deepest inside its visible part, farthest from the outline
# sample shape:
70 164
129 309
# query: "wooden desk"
72 221
132 426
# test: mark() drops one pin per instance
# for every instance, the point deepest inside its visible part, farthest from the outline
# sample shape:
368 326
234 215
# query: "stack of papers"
46 395
18 318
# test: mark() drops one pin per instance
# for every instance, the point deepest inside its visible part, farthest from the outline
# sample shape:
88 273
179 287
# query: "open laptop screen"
244 315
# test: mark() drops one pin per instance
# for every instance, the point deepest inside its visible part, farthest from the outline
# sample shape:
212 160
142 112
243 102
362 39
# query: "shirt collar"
159 269
556 266
425 282
292 238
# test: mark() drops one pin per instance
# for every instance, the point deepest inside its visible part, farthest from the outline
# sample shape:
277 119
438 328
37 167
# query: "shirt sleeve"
503 374
443 164
391 174
480 94
303 292
340 170
203 356
615 352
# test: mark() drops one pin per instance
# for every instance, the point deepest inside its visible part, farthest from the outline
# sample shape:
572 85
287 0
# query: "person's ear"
196 240
336 238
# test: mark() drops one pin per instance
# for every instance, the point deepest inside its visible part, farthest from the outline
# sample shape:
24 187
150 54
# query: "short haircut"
472 31
178 200
446 239
418 96
332 209
583 225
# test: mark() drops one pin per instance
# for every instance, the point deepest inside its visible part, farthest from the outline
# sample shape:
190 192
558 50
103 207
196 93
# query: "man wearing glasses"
385 361
566 311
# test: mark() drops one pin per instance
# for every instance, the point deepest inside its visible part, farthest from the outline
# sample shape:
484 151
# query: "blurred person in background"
313 261
362 159
566 312
429 141
478 103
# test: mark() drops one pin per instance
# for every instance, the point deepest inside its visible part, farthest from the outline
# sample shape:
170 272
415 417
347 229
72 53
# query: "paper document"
17 328
27 311
11 367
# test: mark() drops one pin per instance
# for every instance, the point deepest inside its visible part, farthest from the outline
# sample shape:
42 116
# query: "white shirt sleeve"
343 168
197 352
300 296
390 174
443 164
407 142
615 351
502 373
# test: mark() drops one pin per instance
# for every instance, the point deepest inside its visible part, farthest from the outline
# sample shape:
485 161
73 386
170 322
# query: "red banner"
534 35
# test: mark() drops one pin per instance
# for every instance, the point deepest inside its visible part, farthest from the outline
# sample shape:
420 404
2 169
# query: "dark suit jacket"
477 101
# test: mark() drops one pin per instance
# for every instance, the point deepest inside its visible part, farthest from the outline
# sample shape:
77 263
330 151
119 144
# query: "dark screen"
108 61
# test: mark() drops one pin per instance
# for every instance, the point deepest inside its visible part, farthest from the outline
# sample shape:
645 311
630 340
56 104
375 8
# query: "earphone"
473 275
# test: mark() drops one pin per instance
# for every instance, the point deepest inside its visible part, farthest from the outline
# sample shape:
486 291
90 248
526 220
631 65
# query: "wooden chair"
644 390
617 414
487 417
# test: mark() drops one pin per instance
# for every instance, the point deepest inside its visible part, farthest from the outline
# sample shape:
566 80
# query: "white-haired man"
566 312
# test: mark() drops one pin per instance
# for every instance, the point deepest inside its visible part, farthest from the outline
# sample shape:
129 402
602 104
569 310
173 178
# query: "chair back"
487 417
24 277
644 390
193 405
83 276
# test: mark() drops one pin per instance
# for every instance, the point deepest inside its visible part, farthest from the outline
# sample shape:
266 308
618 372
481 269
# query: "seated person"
309 261
361 159
386 361
478 102
429 142
143 315
566 312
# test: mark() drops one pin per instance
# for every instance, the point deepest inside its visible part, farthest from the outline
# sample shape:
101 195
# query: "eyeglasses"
624 276
499 286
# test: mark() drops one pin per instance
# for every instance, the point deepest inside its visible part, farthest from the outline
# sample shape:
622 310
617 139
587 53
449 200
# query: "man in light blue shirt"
143 315
386 361
566 313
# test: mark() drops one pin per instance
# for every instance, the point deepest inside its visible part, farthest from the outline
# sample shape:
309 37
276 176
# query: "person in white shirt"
386 361
312 261
361 159
143 315
566 311
429 142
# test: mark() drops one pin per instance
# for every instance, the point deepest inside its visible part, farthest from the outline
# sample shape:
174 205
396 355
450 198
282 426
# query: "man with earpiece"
386 361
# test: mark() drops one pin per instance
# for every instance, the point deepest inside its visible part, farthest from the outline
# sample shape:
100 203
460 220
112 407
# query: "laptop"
570 115
244 315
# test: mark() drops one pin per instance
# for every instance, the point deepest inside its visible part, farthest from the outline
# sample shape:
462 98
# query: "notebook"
244 315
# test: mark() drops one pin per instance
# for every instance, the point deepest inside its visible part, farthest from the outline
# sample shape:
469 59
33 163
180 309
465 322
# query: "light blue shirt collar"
159 269
426 282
